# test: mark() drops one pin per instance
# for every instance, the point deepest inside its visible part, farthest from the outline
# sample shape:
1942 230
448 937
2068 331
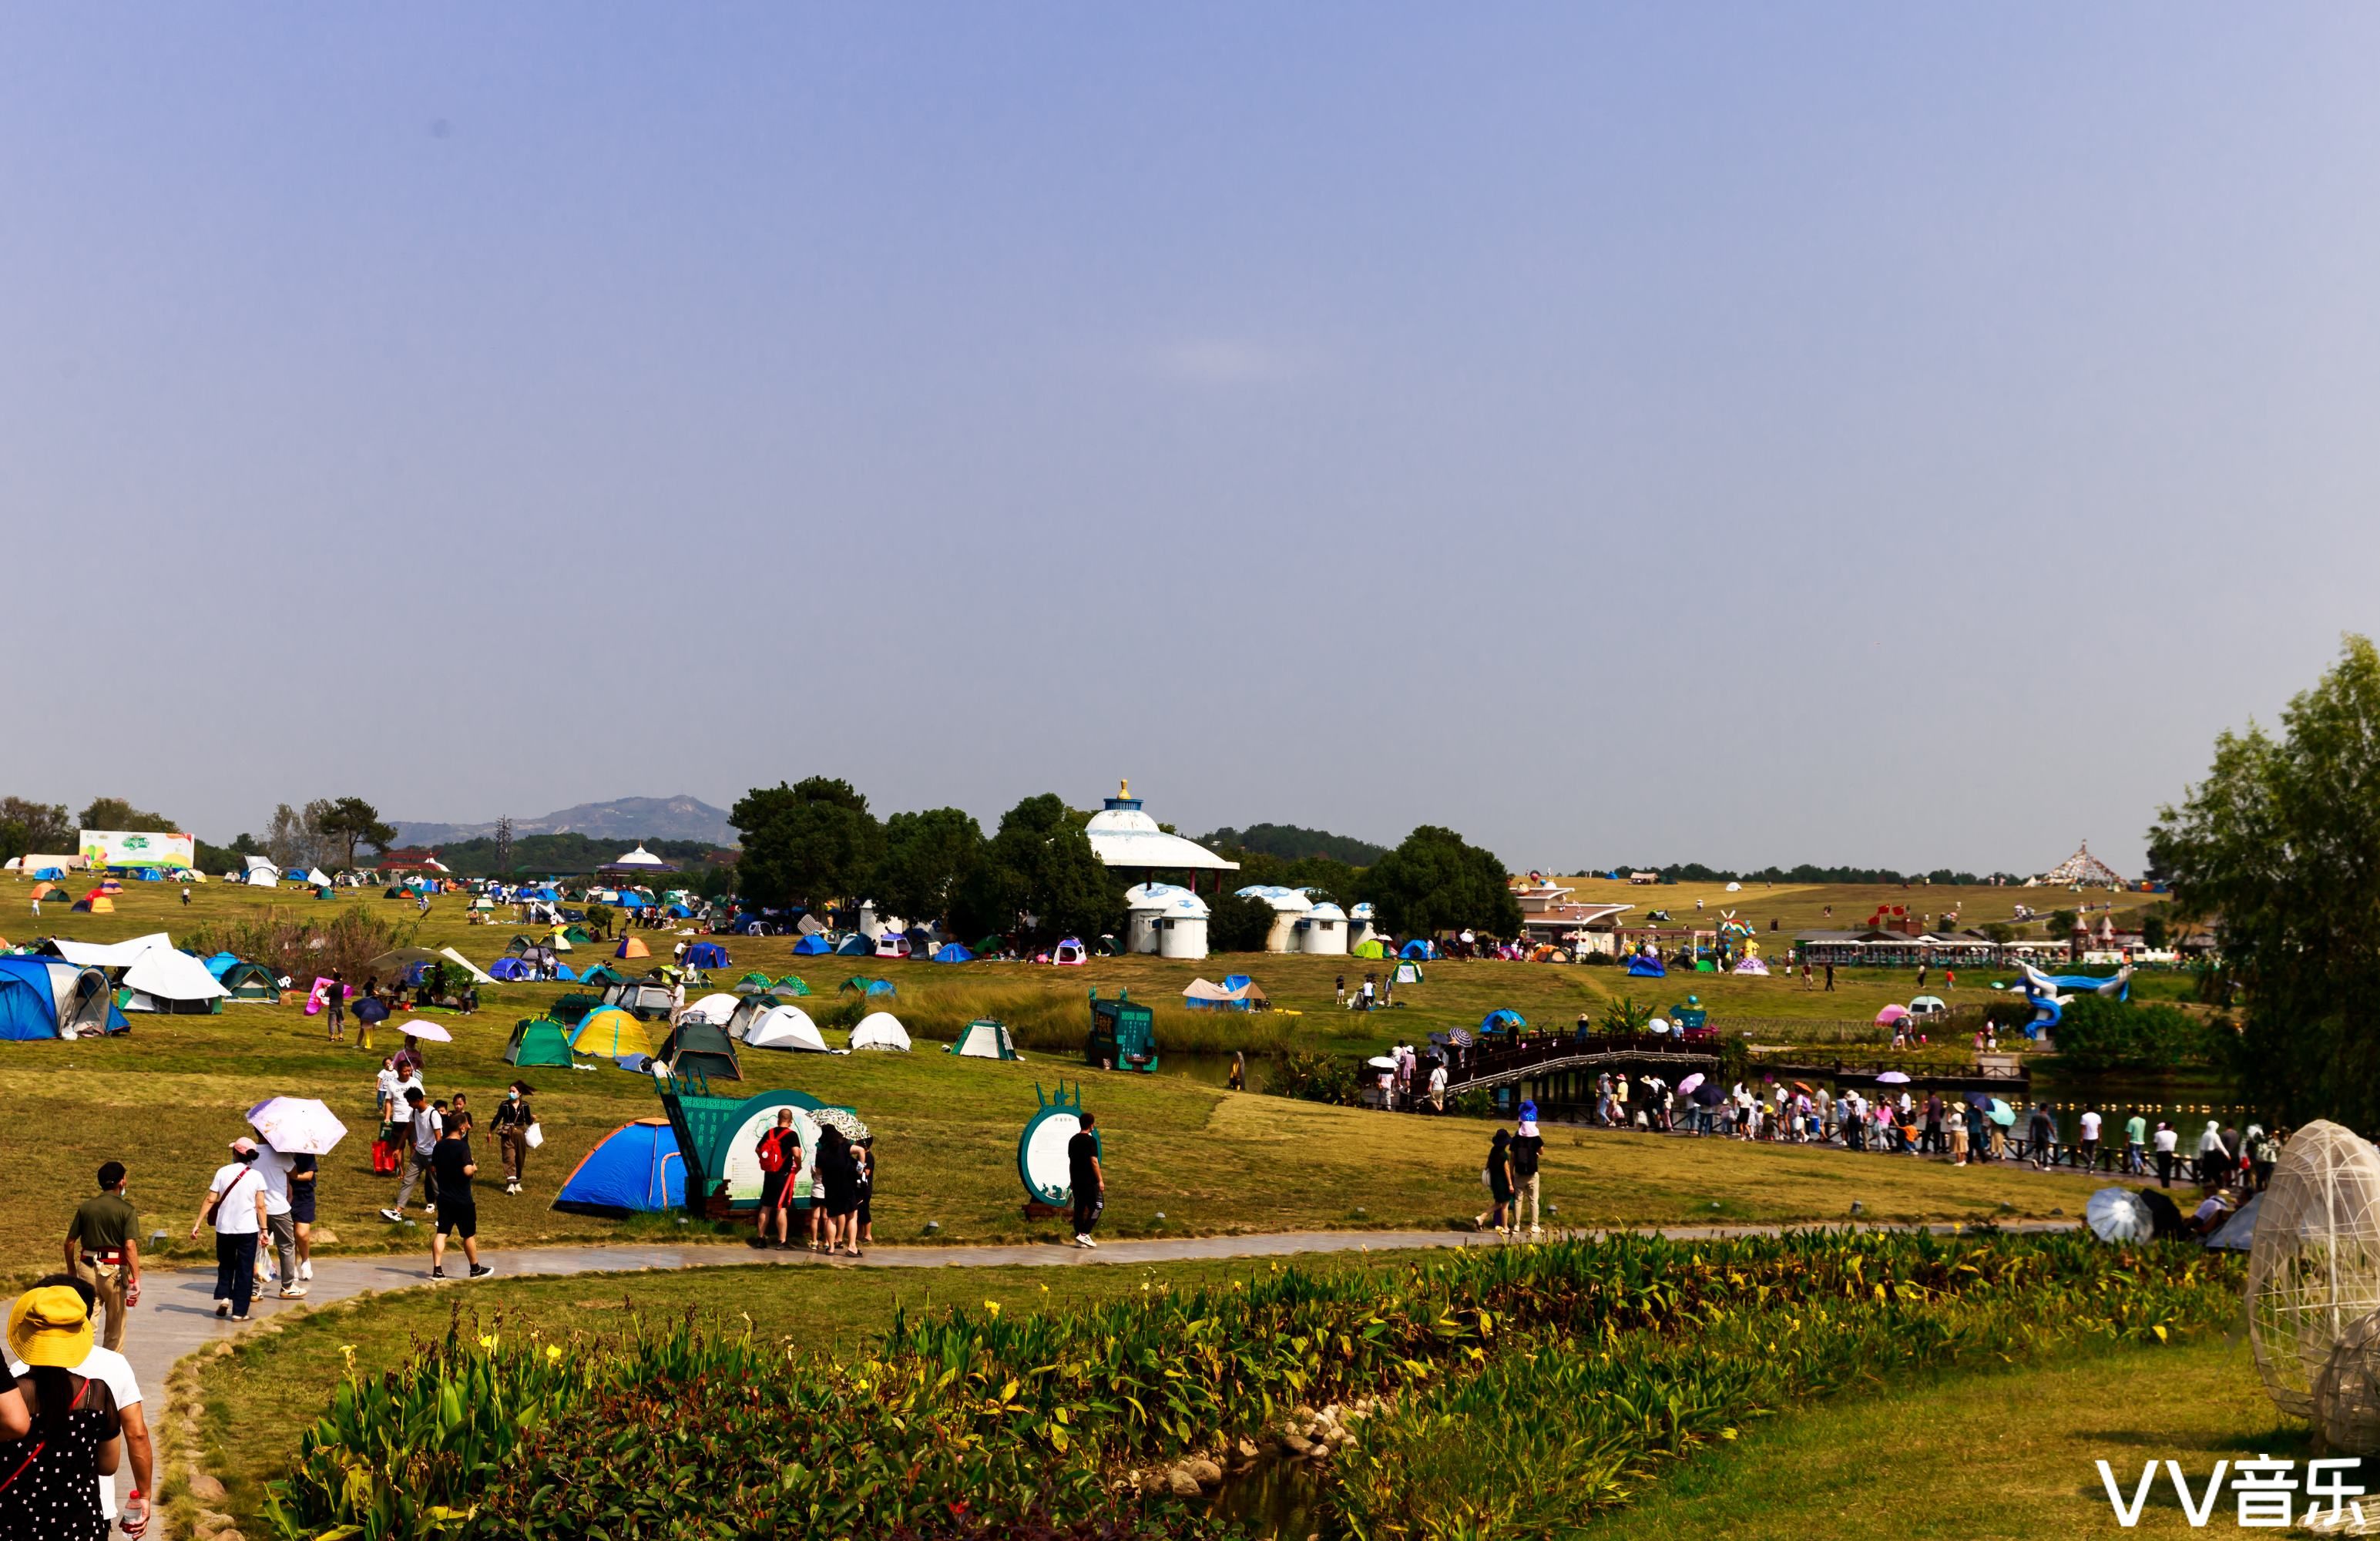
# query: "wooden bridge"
1488 1065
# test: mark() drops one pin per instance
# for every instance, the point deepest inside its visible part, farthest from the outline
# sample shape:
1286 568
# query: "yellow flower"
552 1352
991 1307
487 1342
349 1350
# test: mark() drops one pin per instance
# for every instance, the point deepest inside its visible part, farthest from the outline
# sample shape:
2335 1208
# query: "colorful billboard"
139 848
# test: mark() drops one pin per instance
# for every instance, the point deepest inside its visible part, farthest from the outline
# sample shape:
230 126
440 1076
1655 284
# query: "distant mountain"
1292 844
621 818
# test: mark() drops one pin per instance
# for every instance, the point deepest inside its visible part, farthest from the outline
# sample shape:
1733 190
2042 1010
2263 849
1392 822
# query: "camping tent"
602 974
1206 995
1751 964
812 946
248 981
1503 1019
96 904
1407 972
635 1170
27 1009
1421 950
985 1039
706 955
952 952
715 1008
787 1027
1069 952
862 985
880 1030
853 946
791 984
538 1040
1645 966
609 1033
513 969
697 1043
1370 947
162 980
752 984
630 947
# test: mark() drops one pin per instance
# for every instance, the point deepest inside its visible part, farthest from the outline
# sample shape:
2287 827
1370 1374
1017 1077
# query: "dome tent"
697 1043
812 946
538 1040
631 947
880 1030
785 1027
635 1170
985 1039
609 1033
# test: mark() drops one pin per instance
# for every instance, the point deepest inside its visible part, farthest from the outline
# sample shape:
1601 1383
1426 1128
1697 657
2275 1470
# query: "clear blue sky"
1878 433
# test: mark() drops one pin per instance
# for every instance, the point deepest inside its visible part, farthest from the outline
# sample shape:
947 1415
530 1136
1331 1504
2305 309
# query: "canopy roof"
1122 835
1169 899
637 860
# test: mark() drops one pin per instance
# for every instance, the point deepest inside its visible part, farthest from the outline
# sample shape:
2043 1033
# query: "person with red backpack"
781 1159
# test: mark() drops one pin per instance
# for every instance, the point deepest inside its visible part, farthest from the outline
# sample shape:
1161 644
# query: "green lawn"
1979 1457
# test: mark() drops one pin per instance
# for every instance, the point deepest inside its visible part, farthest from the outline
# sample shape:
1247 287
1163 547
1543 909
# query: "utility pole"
504 845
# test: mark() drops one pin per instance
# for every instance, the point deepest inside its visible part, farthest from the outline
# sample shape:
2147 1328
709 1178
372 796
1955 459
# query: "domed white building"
1289 906
1166 920
1323 929
1125 837
1360 928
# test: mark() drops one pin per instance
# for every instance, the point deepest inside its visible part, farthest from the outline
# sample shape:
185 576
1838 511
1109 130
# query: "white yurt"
787 1027
1359 926
1289 908
1323 929
1165 919
880 1030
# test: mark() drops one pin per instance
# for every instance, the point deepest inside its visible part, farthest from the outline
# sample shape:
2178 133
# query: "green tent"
792 983
248 981
751 984
538 1040
572 1009
577 936
696 1044
602 974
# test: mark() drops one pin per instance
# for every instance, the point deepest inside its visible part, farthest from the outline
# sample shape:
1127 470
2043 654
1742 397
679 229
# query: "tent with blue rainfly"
1503 1019
1645 966
952 952
27 1010
1421 950
635 1170
855 946
706 955
512 969
812 946
860 984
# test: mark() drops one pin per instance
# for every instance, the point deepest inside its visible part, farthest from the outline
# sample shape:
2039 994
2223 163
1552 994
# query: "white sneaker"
306 1269
222 1307
294 1292
1082 1240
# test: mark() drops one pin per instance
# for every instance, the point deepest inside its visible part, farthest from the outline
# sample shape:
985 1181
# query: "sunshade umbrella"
415 1027
1978 1101
843 1118
1460 1036
1892 1078
1686 1087
1890 1014
371 1010
1381 1062
296 1125
1709 1097
2001 1113
2118 1215
1804 1088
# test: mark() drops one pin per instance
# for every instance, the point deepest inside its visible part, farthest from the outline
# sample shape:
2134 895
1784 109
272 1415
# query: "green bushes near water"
1522 1387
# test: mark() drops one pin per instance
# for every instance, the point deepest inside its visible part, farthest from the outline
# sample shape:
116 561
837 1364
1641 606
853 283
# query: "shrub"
296 944
1237 925
2094 1033
1312 1076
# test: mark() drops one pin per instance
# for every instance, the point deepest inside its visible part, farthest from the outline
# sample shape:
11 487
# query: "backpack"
772 1151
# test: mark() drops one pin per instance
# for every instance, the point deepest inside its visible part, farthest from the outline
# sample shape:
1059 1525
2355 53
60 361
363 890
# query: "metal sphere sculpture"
2314 1267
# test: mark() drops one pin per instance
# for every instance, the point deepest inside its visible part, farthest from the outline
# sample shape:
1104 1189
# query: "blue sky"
1871 434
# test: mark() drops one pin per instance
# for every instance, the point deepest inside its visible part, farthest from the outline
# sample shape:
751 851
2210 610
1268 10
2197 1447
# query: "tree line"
816 844
325 833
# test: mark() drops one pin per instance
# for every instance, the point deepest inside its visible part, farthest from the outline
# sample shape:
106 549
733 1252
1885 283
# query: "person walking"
280 1225
1528 1146
779 1154
1497 1175
104 1250
1438 1086
452 1170
334 1006
2136 1135
1238 1079
2168 1143
1830 977
1089 1178
112 1370
234 1206
186 896
2037 1131
71 1434
422 1127
514 1117
2214 1155
305 1181
1930 1142
2089 1141
1339 991
1958 1138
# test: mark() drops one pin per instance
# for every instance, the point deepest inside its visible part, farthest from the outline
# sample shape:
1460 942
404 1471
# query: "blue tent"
1645 966
1503 1019
511 969
1421 948
706 955
562 971
812 946
633 901
635 1170
218 964
27 1010
1237 981
950 952
855 946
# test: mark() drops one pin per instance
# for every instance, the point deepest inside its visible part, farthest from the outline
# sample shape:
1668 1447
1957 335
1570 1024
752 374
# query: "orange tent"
48 891
631 948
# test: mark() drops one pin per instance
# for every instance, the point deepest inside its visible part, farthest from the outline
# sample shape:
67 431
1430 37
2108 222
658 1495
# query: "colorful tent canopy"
635 1170
985 1039
538 1040
609 1033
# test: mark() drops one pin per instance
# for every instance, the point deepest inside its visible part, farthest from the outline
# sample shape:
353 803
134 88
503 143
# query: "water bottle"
134 1518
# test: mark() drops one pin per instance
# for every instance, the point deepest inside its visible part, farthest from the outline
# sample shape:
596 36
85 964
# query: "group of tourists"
834 1173
426 1141
1511 1177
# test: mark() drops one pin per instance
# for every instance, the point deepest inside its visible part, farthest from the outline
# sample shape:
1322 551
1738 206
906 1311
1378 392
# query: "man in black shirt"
1090 1185
458 1210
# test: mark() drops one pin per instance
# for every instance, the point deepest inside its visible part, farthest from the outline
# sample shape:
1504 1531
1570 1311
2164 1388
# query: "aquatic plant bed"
1513 1389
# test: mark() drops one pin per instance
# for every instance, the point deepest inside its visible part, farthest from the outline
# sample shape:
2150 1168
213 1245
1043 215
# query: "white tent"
319 879
985 1039
113 954
880 1030
262 876
787 1027
161 974
478 976
715 1008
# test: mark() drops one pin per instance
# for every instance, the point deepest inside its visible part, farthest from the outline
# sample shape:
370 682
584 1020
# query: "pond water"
1277 1499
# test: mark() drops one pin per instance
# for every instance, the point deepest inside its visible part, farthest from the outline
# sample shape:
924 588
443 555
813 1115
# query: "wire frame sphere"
2347 1392
2314 1267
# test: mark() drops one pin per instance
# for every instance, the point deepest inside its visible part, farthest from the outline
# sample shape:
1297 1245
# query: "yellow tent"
610 1032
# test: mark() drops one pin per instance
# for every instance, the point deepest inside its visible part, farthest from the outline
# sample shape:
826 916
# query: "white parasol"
296 1125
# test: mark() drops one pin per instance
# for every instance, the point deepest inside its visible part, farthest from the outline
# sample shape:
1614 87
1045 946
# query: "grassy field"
167 1098
1998 1457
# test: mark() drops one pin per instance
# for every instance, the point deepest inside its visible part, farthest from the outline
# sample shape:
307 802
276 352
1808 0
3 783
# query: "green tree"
809 843
926 856
1237 925
114 813
37 829
351 822
1037 877
2281 842
1437 882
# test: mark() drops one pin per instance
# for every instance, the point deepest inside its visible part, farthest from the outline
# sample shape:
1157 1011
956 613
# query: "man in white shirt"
2167 1141
279 1222
1438 1086
2091 1122
423 1128
113 1371
236 1204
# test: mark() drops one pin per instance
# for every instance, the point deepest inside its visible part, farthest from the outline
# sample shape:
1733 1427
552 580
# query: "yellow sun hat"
50 1328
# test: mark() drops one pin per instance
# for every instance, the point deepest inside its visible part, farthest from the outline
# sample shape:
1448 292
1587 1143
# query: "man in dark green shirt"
104 1250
